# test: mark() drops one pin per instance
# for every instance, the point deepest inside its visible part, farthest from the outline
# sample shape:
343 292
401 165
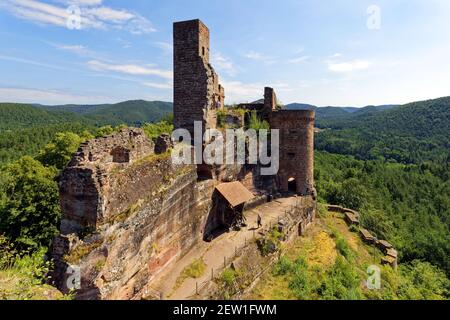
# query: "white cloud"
77 49
83 2
132 69
336 55
298 60
348 66
237 92
43 13
223 64
157 85
139 25
35 63
27 95
257 56
166 47
92 15
108 14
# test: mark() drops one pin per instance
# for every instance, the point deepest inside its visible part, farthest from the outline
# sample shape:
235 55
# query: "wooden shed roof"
350 216
392 252
366 234
234 192
385 244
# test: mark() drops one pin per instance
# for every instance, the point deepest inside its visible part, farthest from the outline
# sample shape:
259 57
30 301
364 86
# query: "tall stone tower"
197 92
296 171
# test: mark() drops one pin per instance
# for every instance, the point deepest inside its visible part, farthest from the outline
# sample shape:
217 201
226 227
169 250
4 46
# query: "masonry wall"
196 84
296 149
87 189
270 102
122 223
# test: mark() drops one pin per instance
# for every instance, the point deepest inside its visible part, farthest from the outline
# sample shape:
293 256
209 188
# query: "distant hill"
326 116
25 129
299 106
15 116
411 133
74 108
134 112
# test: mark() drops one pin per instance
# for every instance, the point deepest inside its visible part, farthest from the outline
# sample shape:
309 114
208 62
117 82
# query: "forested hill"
25 129
412 133
15 116
134 112
331 115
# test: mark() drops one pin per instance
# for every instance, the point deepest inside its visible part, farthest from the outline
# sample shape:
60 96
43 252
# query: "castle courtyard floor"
174 285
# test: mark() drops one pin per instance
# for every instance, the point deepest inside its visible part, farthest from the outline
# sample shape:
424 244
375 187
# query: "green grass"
195 270
81 251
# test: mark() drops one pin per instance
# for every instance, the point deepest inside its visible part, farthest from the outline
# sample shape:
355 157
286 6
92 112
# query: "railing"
214 272
228 260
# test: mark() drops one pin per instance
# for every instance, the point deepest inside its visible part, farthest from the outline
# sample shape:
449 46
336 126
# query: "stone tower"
196 85
270 102
296 173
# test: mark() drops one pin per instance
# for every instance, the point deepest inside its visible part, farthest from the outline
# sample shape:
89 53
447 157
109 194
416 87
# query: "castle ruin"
128 212
197 93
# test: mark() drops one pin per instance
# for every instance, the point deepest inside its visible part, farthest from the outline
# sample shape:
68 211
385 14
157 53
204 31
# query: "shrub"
256 123
154 130
341 282
283 266
300 283
341 244
7 253
266 246
228 277
221 116
81 251
196 269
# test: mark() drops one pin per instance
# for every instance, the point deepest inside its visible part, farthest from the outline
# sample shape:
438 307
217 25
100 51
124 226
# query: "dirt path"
213 253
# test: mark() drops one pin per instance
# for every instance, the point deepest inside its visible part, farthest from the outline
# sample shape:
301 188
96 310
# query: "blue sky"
328 52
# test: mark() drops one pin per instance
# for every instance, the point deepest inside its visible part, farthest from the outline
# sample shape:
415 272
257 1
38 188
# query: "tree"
105 131
352 194
59 152
29 203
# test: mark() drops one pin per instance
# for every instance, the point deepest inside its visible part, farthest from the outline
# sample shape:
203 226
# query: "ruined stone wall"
270 102
196 84
123 222
296 148
131 143
263 107
87 189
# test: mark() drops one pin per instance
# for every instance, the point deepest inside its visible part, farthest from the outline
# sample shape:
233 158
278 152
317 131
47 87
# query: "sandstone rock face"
124 221
86 186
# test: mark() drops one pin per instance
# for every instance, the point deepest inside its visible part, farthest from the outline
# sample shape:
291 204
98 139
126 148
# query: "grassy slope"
16 286
331 274
318 247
